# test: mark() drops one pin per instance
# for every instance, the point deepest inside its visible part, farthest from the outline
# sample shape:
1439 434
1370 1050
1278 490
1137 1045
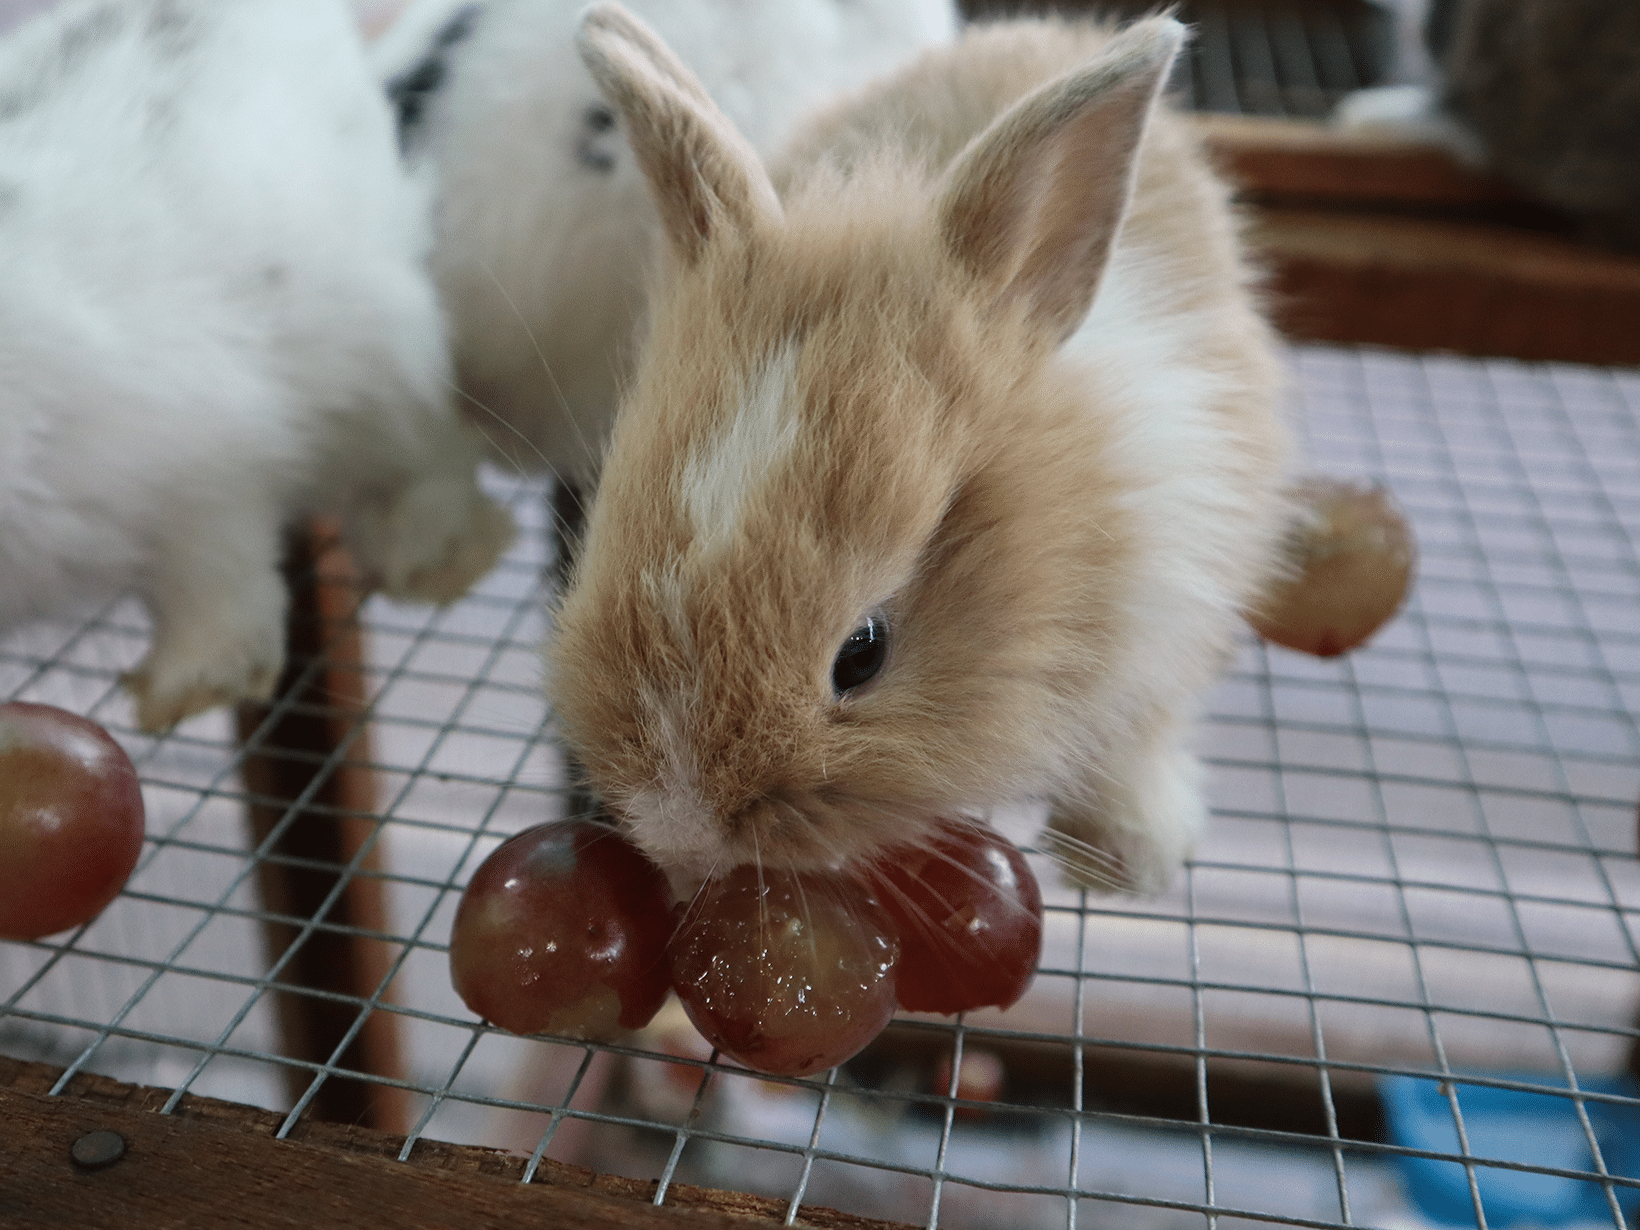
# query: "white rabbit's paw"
432 541
1135 833
183 678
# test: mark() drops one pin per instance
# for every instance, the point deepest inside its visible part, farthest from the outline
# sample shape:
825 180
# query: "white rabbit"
944 474
215 320
544 225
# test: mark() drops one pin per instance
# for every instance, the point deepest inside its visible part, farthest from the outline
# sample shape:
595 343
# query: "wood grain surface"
311 799
1435 284
1392 242
216 1165
1305 159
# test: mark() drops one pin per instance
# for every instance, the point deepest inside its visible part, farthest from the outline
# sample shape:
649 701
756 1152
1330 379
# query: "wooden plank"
1427 284
1392 242
291 753
216 1164
1273 158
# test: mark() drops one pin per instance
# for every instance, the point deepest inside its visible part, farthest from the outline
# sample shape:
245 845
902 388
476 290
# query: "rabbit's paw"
218 608
431 541
1135 830
171 686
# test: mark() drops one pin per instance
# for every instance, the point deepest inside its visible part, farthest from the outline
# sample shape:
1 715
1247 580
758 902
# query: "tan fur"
1059 587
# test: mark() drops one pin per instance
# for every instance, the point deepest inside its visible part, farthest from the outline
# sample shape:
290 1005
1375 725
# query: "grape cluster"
568 929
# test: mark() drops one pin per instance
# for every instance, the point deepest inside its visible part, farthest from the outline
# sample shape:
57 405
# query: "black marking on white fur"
412 89
597 146
173 28
96 29
16 102
77 42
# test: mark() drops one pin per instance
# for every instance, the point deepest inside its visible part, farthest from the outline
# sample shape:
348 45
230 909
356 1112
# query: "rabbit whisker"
535 344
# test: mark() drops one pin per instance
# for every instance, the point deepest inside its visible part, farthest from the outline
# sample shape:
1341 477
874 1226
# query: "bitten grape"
71 819
563 930
1351 557
969 914
789 973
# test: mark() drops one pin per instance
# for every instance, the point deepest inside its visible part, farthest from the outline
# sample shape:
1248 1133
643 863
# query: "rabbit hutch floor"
1421 866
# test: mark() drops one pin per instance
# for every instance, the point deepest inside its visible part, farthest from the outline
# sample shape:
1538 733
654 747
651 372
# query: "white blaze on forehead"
726 471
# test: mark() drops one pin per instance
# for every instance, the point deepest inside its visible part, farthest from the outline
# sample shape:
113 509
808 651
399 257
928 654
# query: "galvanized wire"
1422 863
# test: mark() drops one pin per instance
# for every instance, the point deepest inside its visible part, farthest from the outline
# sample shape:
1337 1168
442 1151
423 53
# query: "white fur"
678 821
215 319
1409 113
1408 107
723 476
1143 358
541 257
1137 354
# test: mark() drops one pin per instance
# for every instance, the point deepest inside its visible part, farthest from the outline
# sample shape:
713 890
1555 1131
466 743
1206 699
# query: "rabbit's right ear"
1033 205
703 174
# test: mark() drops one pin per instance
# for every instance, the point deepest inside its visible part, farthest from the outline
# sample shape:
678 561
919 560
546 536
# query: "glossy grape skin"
969 914
71 820
1351 557
788 973
563 930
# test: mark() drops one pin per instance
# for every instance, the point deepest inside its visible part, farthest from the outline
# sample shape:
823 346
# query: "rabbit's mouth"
823 829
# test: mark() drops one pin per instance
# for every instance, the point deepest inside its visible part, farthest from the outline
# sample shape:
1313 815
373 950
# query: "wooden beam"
309 746
1288 159
1368 239
1428 284
215 1163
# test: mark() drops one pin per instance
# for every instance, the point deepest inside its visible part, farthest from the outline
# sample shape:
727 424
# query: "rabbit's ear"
1034 203
702 172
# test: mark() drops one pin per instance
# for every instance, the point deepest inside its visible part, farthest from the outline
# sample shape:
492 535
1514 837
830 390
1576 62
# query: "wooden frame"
206 1157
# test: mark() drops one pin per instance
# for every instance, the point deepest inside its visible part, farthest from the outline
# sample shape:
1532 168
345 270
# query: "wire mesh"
1421 864
1259 57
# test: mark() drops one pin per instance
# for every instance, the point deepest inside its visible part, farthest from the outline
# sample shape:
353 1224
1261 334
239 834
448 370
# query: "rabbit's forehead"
811 441
728 469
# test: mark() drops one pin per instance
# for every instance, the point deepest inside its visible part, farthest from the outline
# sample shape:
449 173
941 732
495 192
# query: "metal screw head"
95 1150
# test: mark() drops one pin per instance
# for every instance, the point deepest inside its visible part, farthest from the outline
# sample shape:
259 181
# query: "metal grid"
1281 57
1422 862
1259 57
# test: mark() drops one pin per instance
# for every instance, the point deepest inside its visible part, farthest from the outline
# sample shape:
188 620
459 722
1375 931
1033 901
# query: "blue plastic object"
1513 1125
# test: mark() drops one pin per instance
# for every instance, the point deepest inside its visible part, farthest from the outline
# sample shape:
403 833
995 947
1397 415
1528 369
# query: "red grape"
969 914
980 1078
790 973
1352 555
562 930
71 819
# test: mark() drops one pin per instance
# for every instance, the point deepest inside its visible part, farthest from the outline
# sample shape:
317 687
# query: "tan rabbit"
944 474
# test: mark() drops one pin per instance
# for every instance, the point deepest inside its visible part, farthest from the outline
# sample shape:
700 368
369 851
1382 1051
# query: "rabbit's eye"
861 656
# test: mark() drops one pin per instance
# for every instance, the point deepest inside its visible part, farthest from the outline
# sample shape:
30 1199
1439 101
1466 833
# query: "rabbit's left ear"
1034 203
703 174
